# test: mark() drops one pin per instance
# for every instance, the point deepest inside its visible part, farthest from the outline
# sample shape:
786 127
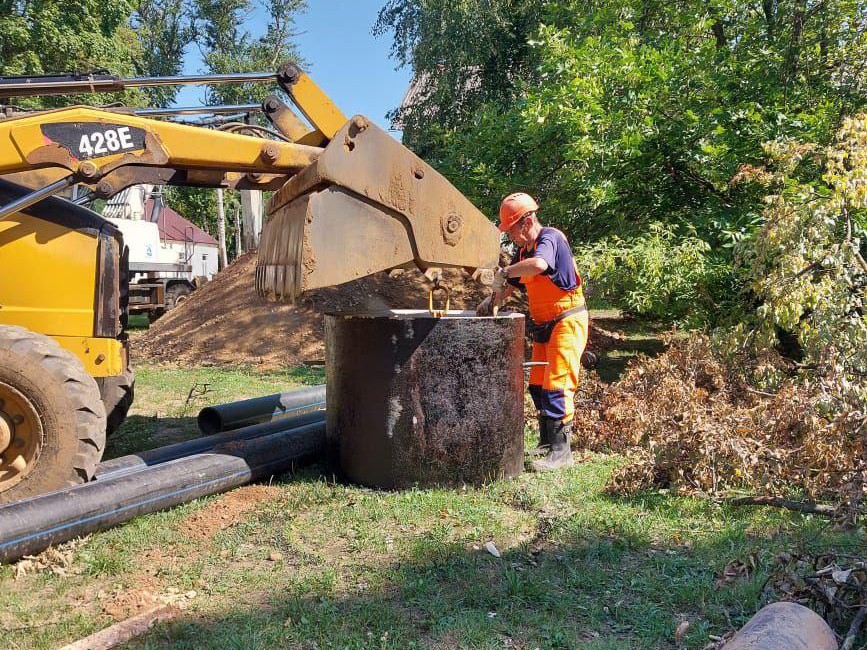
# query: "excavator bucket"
367 204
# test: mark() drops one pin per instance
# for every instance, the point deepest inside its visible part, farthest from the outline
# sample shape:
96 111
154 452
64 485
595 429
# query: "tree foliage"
164 29
622 115
53 36
228 47
805 270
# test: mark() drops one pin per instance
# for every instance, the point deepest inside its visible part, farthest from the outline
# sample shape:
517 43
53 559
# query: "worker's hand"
486 307
500 277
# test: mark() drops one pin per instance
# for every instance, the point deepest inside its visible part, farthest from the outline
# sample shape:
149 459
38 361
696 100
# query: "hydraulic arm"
350 200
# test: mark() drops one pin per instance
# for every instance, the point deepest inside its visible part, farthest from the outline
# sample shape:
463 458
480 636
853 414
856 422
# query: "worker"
546 268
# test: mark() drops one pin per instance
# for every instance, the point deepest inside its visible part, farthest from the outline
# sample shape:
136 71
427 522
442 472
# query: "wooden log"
120 633
784 626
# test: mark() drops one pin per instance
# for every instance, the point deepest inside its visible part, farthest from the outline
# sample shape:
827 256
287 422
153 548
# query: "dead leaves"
688 421
736 570
833 585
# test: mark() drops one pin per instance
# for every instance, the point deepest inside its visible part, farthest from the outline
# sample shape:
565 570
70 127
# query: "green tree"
228 47
621 115
51 36
805 271
164 29
463 55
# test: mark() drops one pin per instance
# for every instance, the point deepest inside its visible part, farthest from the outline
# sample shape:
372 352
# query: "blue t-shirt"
553 247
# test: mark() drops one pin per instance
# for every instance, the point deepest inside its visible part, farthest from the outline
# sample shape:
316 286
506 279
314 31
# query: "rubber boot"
545 426
560 454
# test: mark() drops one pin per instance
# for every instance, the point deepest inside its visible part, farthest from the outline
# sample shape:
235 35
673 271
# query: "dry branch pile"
832 585
687 421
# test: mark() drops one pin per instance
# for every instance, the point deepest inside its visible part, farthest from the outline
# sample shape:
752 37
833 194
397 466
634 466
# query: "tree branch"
857 622
779 502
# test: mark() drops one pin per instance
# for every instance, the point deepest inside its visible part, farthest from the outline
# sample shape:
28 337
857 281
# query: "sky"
343 58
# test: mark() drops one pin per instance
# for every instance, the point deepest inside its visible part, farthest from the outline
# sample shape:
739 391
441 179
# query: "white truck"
159 280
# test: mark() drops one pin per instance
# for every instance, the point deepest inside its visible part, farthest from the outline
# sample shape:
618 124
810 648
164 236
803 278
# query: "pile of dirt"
227 323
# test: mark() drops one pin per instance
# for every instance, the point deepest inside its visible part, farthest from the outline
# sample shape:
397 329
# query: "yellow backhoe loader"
349 201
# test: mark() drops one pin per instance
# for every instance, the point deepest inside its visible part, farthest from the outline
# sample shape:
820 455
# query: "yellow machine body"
59 275
349 200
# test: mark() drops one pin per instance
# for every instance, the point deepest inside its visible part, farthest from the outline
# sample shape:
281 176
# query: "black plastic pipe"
143 459
235 415
32 525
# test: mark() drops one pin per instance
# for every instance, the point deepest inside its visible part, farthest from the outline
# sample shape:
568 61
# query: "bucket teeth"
327 238
367 204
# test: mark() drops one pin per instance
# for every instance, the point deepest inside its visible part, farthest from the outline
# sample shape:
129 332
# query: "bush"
661 276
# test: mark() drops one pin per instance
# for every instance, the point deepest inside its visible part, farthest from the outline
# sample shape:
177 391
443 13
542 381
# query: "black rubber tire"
69 407
589 360
117 394
176 294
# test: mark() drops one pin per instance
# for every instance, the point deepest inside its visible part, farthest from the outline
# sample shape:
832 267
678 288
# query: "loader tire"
52 420
117 394
176 295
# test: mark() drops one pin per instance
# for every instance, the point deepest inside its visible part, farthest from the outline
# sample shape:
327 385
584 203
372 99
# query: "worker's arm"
526 268
498 297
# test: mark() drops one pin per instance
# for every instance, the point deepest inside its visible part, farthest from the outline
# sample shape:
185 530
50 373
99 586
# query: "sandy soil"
227 323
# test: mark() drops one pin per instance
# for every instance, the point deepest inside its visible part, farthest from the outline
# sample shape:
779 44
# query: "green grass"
638 337
167 400
366 569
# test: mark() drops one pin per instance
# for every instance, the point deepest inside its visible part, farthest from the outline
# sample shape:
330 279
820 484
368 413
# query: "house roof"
173 227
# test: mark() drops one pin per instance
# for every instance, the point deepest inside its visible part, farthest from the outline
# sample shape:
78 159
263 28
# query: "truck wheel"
177 294
52 421
117 395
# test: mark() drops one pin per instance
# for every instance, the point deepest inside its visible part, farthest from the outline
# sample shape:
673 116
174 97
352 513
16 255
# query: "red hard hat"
514 207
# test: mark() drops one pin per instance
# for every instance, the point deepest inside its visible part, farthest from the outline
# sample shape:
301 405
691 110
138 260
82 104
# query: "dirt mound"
227 323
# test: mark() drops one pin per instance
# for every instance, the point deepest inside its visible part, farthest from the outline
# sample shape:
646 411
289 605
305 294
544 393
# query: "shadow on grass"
600 583
141 433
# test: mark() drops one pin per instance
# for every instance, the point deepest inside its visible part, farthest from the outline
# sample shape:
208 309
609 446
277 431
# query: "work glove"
500 278
486 307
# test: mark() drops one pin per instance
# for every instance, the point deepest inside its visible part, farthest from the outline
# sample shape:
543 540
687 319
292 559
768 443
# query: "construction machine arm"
108 150
356 203
89 142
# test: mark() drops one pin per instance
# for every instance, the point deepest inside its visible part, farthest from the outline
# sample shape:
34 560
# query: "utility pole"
221 229
251 205
239 248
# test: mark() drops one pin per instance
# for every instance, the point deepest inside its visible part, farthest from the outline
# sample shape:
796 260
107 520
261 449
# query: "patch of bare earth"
146 588
226 511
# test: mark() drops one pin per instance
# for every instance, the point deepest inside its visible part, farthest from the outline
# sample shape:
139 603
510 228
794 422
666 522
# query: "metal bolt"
453 225
269 153
271 104
104 189
418 173
17 419
99 359
88 169
359 123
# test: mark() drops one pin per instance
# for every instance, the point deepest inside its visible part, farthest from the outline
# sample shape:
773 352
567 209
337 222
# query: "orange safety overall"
553 386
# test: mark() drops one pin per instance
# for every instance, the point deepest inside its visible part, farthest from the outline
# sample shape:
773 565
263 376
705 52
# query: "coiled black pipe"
33 524
235 415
